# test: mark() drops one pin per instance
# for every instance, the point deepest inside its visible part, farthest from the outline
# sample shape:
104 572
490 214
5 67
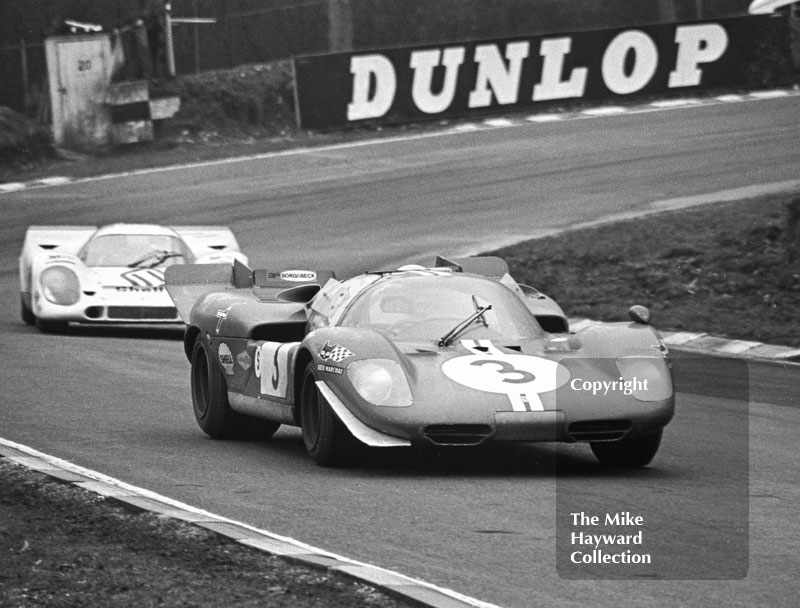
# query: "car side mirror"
639 314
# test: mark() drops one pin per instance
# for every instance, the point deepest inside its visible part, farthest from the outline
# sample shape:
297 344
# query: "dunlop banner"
433 82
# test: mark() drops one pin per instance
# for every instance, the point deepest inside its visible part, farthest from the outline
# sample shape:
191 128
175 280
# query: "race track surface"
717 500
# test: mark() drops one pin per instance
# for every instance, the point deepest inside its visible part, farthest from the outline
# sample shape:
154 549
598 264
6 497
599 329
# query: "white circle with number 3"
506 374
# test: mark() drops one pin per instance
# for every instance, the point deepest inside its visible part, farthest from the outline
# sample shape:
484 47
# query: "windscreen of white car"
136 251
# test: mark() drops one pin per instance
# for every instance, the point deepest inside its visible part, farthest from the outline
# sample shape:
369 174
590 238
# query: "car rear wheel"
210 399
628 453
327 440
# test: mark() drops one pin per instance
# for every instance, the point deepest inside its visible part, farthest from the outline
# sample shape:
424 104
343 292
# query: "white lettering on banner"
492 73
368 102
551 85
423 64
629 63
696 44
645 62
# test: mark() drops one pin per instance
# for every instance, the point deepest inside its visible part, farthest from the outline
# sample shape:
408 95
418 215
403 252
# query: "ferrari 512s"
456 354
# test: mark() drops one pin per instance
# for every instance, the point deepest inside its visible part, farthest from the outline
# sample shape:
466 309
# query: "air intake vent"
599 430
553 324
458 434
142 313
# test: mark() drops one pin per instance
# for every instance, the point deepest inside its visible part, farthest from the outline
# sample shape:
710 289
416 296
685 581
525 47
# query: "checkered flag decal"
334 352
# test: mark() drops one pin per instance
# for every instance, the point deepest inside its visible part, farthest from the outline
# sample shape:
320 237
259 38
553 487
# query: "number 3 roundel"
506 374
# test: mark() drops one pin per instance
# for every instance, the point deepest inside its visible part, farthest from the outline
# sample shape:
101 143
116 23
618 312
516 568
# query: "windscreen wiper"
451 335
159 255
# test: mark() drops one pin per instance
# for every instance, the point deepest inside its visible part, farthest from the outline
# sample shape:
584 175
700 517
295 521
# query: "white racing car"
113 274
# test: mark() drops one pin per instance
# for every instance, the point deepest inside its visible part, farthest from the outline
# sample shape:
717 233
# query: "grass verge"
728 269
62 546
22 141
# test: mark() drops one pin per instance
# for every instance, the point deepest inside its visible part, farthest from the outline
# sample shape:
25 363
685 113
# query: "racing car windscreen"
136 250
426 308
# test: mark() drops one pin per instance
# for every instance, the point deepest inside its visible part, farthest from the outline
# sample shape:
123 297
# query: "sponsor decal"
244 359
330 369
144 278
334 352
221 315
522 377
299 276
131 288
272 368
629 62
226 358
519 73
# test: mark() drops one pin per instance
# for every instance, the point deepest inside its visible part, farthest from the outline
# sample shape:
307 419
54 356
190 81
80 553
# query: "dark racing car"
457 354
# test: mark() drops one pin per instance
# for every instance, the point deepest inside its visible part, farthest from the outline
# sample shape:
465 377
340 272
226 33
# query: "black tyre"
327 440
628 453
211 408
51 327
26 313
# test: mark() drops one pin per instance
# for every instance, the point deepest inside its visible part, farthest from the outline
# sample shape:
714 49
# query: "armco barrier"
417 83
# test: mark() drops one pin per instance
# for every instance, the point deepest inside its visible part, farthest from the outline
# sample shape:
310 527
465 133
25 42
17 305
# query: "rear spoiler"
187 283
763 7
487 265
207 238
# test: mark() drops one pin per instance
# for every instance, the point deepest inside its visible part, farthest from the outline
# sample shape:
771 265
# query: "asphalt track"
720 502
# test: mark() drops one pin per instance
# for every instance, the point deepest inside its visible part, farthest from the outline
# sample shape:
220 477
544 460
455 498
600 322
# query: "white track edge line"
65 465
750 97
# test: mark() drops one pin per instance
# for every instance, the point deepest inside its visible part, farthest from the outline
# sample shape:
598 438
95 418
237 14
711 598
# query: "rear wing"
487 265
187 283
763 7
208 240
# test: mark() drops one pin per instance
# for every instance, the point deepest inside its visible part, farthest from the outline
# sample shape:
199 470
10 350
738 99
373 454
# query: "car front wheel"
327 440
51 327
629 452
26 313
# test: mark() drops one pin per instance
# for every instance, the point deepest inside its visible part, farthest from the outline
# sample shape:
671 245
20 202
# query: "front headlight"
380 382
647 378
60 285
